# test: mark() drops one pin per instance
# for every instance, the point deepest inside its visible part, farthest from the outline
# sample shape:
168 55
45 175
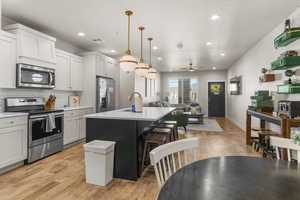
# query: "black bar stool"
169 122
152 141
173 128
164 131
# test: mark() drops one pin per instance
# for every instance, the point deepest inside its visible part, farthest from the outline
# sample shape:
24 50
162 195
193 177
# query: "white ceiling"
242 23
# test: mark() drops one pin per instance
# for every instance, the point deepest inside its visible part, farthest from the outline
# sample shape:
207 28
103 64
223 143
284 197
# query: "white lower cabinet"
74 124
70 133
13 142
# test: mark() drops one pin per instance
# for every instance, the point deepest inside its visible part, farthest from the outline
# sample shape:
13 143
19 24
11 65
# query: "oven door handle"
43 116
36 119
51 79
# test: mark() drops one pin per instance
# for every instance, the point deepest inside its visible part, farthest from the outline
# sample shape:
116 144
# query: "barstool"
169 122
174 123
152 141
173 129
164 131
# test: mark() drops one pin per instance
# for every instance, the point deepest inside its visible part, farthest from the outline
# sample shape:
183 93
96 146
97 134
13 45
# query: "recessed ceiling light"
81 34
214 68
159 58
208 43
222 54
215 17
155 48
113 51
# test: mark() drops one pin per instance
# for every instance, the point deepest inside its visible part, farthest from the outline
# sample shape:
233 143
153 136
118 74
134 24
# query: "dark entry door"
216 99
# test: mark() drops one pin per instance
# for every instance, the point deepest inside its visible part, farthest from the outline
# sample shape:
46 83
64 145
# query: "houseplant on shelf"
296 136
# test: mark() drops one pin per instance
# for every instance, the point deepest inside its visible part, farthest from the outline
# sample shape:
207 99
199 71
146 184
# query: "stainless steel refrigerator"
105 100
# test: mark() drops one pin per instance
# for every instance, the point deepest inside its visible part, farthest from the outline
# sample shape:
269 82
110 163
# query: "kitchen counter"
127 129
12 114
75 108
148 114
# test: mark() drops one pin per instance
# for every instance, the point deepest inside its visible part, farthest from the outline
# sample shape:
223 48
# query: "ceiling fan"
189 68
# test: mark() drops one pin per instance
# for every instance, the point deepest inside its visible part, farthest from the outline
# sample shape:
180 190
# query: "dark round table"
234 178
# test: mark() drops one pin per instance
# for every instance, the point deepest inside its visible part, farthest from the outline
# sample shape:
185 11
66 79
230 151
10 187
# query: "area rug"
208 125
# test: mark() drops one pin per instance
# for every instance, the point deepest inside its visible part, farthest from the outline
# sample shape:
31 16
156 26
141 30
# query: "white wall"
249 67
61 96
0 14
203 78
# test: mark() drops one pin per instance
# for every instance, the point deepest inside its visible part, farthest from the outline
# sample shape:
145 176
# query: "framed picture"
235 85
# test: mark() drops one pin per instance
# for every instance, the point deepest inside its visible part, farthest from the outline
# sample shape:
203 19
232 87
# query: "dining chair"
285 143
170 157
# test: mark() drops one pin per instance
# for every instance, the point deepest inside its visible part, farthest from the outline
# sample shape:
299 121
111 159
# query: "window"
183 91
173 91
146 87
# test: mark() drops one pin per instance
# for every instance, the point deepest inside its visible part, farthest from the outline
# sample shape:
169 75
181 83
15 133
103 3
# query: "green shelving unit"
288 89
261 103
287 37
261 99
286 63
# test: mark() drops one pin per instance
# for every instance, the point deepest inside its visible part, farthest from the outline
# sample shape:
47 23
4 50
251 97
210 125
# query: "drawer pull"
11 122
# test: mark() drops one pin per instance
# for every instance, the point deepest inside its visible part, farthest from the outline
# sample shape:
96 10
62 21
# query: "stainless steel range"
45 127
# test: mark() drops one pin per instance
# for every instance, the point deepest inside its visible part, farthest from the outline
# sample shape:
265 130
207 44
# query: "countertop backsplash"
61 96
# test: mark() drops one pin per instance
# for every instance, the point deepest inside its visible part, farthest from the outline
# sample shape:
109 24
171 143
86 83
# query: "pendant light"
128 62
141 69
152 72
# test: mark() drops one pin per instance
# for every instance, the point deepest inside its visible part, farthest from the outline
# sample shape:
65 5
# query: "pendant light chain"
152 72
128 13
128 33
127 61
150 60
142 29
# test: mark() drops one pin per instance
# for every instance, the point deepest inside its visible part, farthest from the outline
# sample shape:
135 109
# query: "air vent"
97 40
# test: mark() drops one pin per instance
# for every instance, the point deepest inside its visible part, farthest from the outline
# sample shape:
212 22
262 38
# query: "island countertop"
148 114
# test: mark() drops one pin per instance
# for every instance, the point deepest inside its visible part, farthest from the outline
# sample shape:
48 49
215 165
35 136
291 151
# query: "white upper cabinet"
62 71
110 67
100 65
7 60
68 71
76 73
106 67
33 47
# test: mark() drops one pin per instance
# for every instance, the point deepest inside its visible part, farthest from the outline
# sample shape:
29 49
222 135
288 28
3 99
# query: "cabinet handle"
11 122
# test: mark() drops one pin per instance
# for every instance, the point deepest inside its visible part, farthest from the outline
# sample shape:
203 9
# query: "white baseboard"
11 167
237 123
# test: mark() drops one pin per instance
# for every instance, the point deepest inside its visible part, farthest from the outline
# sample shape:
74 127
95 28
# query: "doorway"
216 99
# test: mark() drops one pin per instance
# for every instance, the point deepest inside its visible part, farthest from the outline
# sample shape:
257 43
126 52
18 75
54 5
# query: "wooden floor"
61 176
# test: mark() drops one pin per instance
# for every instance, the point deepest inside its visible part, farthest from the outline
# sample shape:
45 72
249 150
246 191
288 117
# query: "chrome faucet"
132 95
138 101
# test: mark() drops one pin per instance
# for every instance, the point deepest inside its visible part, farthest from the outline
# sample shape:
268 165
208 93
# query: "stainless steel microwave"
29 76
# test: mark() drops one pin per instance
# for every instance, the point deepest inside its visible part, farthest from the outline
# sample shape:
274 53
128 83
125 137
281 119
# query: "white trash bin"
99 162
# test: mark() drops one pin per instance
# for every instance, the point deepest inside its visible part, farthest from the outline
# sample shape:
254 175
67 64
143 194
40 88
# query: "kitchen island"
127 130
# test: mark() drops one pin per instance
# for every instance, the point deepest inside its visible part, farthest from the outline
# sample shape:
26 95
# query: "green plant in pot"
296 136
